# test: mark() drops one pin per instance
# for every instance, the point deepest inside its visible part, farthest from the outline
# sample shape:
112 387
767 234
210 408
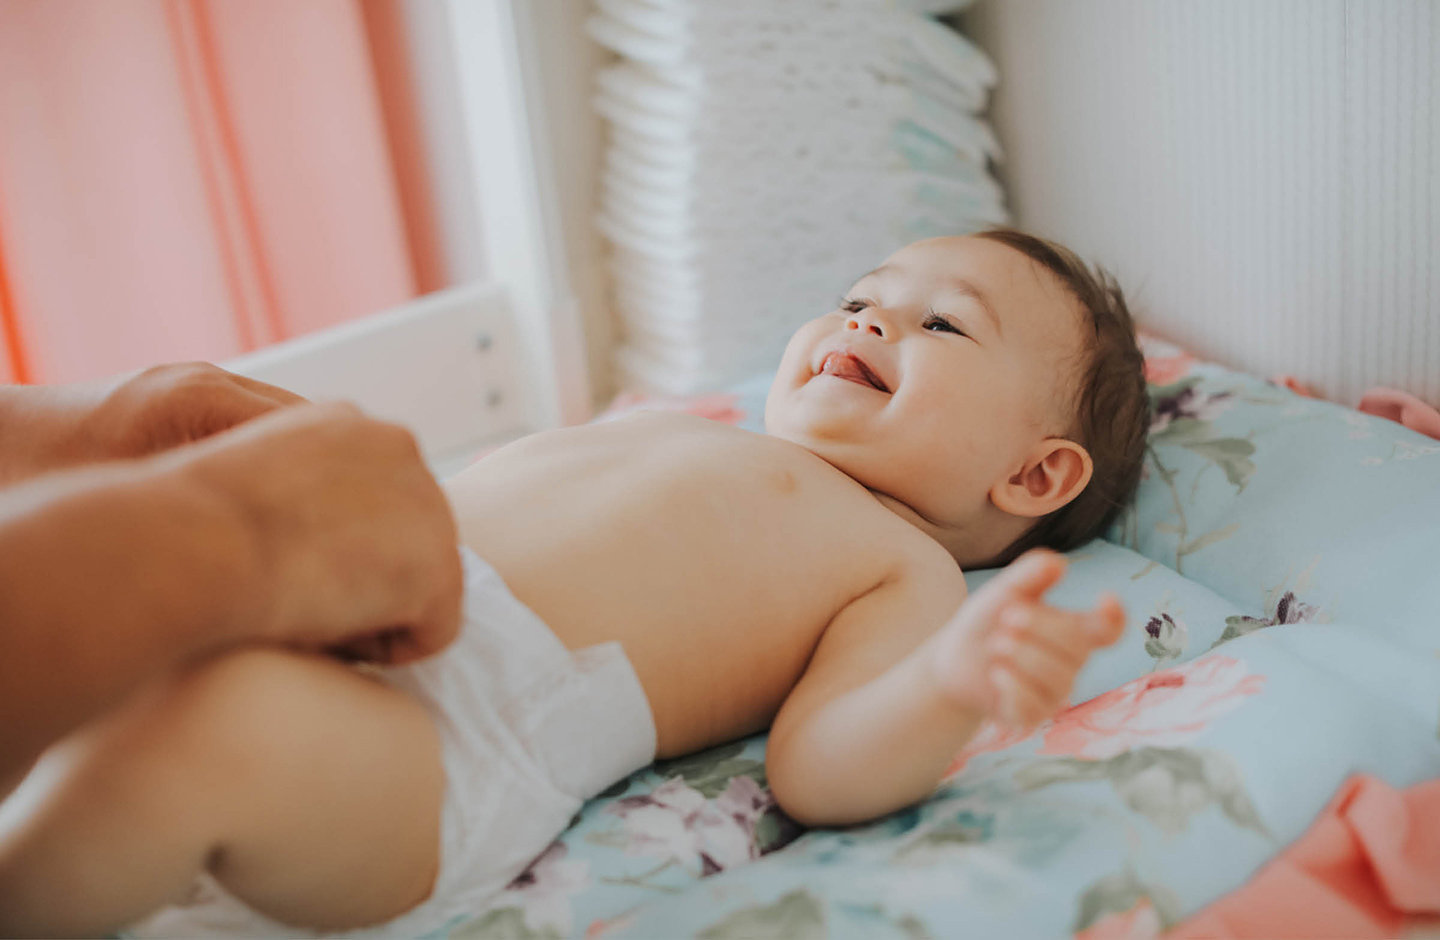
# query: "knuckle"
402 439
186 373
337 418
341 409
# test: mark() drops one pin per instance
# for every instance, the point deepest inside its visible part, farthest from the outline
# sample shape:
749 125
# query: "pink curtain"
187 179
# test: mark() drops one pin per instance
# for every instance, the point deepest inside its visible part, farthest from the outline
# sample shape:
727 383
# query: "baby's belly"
717 619
710 672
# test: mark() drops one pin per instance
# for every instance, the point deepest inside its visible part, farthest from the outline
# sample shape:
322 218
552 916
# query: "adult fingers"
218 400
438 625
265 390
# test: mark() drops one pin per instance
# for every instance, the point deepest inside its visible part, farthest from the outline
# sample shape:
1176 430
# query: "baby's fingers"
1049 672
1107 620
1018 703
1027 577
1068 634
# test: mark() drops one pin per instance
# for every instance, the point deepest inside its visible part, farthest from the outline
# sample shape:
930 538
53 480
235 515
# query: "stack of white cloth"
763 154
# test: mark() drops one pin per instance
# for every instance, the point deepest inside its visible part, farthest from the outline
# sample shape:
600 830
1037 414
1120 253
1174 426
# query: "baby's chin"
823 414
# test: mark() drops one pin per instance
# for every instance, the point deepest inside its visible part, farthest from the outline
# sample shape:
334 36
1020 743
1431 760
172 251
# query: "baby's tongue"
844 367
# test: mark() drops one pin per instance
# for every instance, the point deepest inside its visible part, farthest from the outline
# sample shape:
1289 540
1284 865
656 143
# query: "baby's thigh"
326 786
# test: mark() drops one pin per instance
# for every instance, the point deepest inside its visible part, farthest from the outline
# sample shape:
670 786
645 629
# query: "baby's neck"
971 544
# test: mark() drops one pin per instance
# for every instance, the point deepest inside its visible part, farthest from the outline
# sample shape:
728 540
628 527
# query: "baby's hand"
1013 657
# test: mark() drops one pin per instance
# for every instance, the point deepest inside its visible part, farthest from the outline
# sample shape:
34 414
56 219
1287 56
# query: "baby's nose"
855 322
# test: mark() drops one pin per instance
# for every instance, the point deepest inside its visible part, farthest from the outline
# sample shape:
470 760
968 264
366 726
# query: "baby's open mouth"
850 367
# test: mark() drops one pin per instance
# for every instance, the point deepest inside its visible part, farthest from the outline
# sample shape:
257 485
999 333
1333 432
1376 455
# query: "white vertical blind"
1261 175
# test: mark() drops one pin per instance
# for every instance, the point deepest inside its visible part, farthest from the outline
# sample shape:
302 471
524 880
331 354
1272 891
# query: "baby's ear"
1054 472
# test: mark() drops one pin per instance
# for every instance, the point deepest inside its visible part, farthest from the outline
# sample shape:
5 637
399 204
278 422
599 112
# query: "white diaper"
529 730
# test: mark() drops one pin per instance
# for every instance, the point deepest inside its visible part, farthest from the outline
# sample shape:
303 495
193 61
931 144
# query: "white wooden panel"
1261 175
503 119
447 366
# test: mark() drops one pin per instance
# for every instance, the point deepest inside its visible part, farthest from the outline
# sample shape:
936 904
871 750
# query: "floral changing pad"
1281 569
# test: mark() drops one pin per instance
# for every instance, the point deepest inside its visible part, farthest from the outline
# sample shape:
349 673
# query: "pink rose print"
675 821
990 737
1162 370
1163 709
717 407
611 926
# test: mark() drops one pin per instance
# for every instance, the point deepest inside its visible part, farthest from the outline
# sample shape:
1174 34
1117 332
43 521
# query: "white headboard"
1264 177
449 366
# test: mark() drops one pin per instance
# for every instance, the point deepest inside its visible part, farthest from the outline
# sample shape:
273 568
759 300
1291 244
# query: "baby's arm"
888 700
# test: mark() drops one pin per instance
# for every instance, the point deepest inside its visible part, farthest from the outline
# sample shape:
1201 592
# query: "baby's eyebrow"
970 290
865 277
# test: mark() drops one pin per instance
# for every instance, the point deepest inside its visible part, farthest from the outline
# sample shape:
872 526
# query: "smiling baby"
641 588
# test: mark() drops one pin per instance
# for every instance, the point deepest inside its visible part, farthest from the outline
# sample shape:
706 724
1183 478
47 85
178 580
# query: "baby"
644 588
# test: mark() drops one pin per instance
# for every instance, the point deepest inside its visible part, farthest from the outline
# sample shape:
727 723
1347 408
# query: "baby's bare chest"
716 557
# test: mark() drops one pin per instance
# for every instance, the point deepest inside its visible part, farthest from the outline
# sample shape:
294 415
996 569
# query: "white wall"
1261 175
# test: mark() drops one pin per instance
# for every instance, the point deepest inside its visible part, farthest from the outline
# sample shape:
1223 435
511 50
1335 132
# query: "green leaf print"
775 830
1208 539
1237 626
1225 781
1166 785
1112 894
1231 454
1043 773
1160 392
912 928
507 923
964 829
710 771
796 915
1182 431
1119 892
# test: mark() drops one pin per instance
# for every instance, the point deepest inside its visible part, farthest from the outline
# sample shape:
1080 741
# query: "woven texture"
1264 178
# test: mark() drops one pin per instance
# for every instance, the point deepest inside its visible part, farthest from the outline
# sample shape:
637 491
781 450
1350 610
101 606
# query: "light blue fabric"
1255 491
1281 574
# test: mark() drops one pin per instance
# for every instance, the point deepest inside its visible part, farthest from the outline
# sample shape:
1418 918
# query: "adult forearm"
877 748
109 575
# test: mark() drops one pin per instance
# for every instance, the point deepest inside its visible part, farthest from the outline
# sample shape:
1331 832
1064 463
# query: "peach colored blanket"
1365 868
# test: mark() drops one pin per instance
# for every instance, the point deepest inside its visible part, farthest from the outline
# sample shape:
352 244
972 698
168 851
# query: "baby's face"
942 369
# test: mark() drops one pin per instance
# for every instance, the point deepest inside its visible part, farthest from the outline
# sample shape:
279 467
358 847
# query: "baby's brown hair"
1111 409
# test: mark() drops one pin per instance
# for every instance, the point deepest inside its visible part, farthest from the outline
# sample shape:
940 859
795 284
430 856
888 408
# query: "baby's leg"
311 792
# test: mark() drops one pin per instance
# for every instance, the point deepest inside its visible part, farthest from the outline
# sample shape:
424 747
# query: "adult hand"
53 427
357 543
